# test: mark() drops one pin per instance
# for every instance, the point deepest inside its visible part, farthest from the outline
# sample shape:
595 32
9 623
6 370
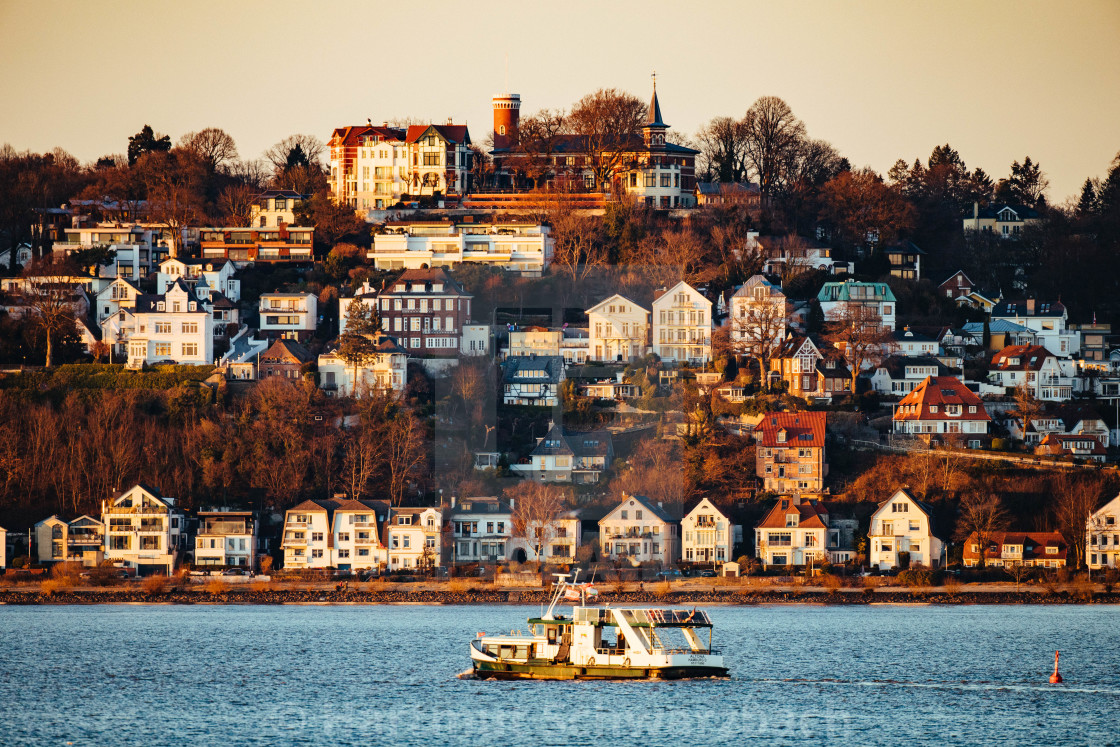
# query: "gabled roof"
955 275
284 348
1021 358
924 507
800 429
906 334
481 505
746 290
646 504
706 505
992 211
1068 442
615 298
451 133
811 514
938 391
792 345
996 326
903 247
218 300
667 293
353 135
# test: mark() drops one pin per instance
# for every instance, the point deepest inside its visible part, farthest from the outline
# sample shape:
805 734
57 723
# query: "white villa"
902 527
682 325
1102 542
118 294
707 535
413 538
639 530
618 330
143 530
172 327
759 313
216 275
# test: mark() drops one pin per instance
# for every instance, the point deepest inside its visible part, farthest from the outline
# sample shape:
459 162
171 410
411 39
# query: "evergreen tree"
357 345
146 141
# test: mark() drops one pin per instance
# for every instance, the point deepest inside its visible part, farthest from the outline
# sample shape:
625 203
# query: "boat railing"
678 617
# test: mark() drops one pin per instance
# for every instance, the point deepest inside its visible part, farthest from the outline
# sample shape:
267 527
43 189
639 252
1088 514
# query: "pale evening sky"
880 80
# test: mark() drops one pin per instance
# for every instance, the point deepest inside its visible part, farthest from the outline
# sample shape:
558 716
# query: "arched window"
502 130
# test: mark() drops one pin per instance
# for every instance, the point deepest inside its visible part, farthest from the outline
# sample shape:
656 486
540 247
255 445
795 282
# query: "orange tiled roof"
811 514
938 391
803 429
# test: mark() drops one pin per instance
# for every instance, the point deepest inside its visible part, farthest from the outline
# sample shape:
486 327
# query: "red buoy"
1055 679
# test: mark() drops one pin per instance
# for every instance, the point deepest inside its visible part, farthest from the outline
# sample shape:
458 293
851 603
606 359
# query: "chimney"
660 504
452 501
975 210
1030 306
511 504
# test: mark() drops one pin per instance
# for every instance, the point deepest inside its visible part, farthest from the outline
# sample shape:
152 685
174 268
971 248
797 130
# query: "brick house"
285 358
790 451
424 310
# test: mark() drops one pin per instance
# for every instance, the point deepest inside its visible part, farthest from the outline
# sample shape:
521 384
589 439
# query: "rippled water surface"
108 675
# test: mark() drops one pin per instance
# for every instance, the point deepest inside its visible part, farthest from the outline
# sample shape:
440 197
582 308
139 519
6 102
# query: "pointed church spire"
654 107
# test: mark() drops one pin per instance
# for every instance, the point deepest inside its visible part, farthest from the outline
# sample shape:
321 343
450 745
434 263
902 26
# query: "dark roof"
219 301
903 247
647 503
1018 307
424 277
285 348
895 365
992 211
147 302
653 118
908 334
552 365
585 443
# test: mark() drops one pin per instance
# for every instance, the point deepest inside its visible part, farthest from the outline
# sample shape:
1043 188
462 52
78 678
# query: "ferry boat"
601 643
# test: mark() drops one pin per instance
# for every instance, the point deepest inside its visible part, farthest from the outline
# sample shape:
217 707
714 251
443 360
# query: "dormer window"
161 306
791 520
193 306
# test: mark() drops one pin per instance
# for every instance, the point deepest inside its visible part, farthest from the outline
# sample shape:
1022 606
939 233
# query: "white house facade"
682 325
707 535
618 330
901 535
143 530
639 530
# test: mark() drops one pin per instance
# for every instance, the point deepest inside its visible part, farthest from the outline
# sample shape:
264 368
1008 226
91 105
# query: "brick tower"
507 113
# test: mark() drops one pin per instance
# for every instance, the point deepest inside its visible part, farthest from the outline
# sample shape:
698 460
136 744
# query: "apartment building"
143 530
1102 536
524 248
425 311
291 315
1048 320
481 529
414 538
79 541
839 299
244 245
388 371
682 325
275 207
226 538
790 451
138 249
376 167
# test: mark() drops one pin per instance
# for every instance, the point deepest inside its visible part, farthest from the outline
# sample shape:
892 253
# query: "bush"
54 585
215 586
155 584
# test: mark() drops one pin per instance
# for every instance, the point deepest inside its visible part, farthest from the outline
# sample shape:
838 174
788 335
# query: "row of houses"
142 530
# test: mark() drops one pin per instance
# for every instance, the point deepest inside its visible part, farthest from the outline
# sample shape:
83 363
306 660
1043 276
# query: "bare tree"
578 243
537 510
50 293
405 439
758 328
175 183
857 330
362 453
723 150
306 149
771 133
538 138
235 202
1075 499
213 145
608 120
982 516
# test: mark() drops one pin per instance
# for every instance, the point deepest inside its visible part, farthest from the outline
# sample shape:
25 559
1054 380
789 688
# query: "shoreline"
716 596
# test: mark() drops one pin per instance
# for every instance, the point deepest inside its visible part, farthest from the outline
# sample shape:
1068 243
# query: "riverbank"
361 594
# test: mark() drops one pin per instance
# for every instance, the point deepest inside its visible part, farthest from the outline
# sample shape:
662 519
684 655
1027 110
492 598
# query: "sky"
880 80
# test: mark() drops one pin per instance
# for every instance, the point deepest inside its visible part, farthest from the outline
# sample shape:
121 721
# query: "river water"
214 675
